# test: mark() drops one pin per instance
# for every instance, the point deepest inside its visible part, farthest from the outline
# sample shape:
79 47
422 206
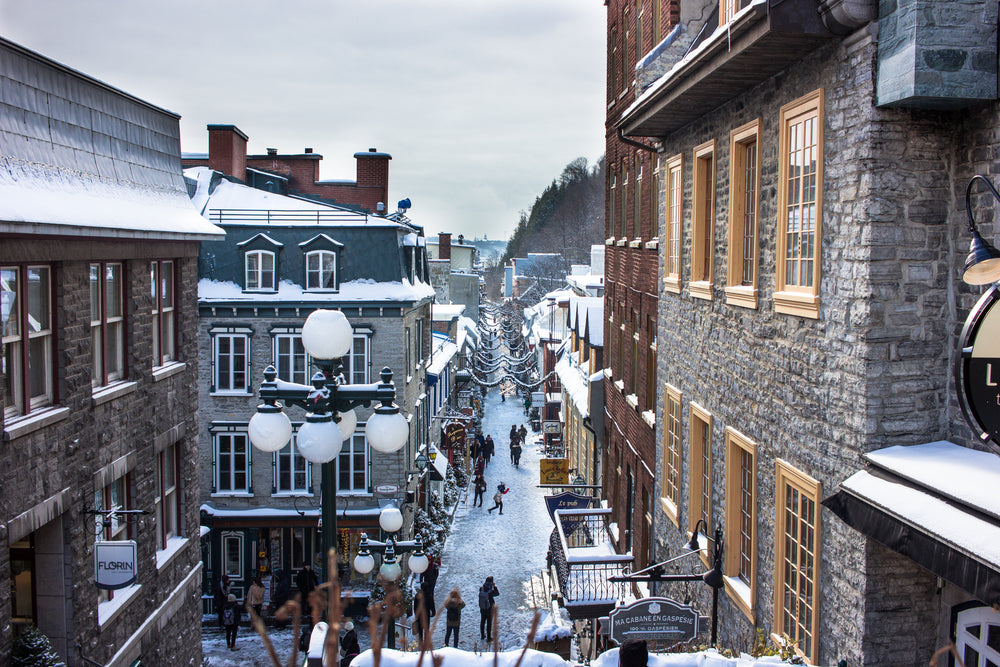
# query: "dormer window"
260 263
259 271
321 270
322 255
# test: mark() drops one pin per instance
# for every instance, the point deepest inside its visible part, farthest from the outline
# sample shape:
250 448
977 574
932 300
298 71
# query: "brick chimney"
373 170
227 150
444 245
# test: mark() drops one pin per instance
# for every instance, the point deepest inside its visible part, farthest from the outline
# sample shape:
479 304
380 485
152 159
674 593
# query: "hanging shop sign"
114 564
977 369
658 619
553 471
454 436
386 489
551 427
538 399
567 500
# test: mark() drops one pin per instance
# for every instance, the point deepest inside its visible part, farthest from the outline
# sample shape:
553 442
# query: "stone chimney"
227 150
444 245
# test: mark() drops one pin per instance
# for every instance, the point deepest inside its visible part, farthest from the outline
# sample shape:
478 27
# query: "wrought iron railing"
234 216
585 559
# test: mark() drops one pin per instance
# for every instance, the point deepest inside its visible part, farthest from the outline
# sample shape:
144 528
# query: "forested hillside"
567 218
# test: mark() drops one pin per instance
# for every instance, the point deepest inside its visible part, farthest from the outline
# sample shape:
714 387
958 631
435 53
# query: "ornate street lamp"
329 404
982 266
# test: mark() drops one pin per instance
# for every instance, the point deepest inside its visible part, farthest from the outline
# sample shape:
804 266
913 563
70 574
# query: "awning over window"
937 504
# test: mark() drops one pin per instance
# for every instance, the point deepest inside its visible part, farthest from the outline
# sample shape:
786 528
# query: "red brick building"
295 174
631 270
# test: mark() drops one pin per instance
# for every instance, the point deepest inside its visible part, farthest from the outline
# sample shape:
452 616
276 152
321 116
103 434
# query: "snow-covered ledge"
39 419
649 417
175 545
632 400
109 611
168 369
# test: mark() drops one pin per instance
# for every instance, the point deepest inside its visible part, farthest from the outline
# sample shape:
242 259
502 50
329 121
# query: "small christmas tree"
33 649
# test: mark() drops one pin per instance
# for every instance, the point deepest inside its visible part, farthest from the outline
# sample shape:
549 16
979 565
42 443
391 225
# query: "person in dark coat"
307 581
231 620
633 653
488 450
515 453
222 596
428 581
480 488
349 647
453 608
513 432
487 592
522 433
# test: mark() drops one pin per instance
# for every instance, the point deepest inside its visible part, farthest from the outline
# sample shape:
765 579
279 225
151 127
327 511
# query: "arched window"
977 636
259 270
321 270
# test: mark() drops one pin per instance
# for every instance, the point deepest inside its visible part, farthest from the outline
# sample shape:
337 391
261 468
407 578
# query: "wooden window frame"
727 10
744 209
790 298
113 528
674 224
624 201
168 496
703 221
103 326
164 310
17 342
700 481
673 435
788 477
654 199
650 402
637 204
738 445
612 200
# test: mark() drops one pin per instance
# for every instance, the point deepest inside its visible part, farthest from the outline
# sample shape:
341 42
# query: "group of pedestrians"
517 437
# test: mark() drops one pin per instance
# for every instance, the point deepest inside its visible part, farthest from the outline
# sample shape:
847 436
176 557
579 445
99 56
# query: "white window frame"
254 276
224 538
985 617
217 459
360 353
17 356
232 375
281 359
355 453
289 454
325 283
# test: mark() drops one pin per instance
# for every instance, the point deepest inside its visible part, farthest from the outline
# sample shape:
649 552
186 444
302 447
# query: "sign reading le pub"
657 619
114 564
977 370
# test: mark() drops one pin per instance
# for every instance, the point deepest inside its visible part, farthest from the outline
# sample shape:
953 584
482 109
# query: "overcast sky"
480 102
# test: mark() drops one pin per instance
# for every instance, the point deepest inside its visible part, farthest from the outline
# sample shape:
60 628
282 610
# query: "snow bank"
709 658
458 658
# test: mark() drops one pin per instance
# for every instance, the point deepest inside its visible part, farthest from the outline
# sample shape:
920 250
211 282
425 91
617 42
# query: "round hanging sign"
977 369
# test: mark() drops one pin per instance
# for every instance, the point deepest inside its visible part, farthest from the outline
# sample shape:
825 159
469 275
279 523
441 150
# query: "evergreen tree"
33 649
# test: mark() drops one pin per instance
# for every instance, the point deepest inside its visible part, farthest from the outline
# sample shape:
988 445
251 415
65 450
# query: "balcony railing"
240 216
585 558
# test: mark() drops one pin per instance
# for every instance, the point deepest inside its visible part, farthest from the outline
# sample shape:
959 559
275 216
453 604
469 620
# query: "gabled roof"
263 236
323 237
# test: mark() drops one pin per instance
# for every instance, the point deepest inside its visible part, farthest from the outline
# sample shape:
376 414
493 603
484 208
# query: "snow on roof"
264 512
453 657
264 236
322 236
467 331
213 291
552 627
574 383
968 476
443 312
443 353
595 325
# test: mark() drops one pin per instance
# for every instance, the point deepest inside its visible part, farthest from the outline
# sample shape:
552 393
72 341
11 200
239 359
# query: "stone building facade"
98 278
282 259
811 237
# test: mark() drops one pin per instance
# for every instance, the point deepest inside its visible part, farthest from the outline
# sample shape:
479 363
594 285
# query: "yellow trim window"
672 230
797 559
671 480
800 205
744 198
703 221
700 483
741 521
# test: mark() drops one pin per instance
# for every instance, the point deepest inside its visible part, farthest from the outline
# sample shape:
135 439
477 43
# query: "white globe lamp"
390 519
326 334
319 439
348 424
269 429
364 562
390 570
419 562
387 431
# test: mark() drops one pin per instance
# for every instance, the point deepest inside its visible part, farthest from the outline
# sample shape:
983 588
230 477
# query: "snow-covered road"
511 547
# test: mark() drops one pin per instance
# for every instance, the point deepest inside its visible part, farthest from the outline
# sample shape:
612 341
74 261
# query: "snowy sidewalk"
510 548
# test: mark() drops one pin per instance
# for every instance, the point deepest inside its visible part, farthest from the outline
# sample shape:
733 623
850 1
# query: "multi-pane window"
741 513
26 326
291 471
654 199
352 464
638 29
168 498
232 463
107 322
406 352
671 481
321 270
655 9
232 555
613 64
703 220
612 193
637 212
650 403
744 189
624 200
290 358
161 279
700 487
727 10
232 363
633 386
797 558
672 244
114 527
800 179
356 361
259 270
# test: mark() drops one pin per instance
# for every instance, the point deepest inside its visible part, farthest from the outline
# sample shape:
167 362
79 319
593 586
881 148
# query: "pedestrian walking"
523 433
453 608
255 596
515 454
527 405
231 621
488 450
349 647
498 498
480 482
428 580
480 468
222 597
513 431
487 592
307 581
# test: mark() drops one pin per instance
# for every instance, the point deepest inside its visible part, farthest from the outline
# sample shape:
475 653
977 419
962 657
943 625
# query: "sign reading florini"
977 369
660 619
114 564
